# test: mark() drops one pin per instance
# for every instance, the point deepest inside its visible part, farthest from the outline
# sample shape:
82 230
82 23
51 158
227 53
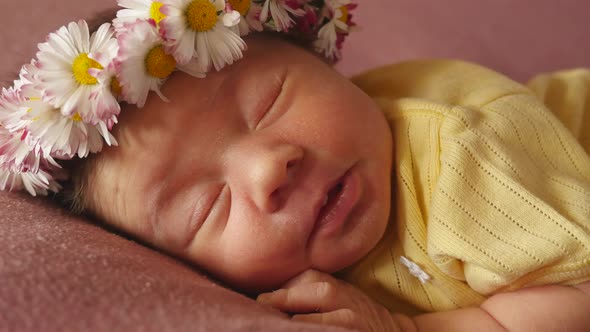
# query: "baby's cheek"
254 262
171 235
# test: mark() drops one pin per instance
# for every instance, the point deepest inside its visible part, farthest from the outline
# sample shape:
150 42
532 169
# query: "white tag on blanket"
415 270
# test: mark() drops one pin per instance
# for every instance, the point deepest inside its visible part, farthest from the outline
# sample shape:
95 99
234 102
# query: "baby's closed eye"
270 109
257 94
182 214
205 202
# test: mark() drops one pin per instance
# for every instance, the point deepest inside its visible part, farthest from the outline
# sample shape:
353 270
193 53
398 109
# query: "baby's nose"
271 173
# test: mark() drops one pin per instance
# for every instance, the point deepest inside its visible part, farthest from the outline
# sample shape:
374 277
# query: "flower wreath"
66 100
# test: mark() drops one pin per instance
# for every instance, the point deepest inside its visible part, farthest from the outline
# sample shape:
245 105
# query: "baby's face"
234 172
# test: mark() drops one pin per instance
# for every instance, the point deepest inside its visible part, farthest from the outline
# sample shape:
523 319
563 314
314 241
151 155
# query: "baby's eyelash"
218 200
204 206
219 194
276 91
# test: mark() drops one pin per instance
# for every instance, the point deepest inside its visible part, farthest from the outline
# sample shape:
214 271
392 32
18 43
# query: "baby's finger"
308 277
314 297
343 317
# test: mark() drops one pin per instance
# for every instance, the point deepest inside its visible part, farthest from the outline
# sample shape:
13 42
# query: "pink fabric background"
61 273
517 37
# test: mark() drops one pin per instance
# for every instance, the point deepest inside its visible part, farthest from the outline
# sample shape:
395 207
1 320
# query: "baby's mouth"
331 195
338 203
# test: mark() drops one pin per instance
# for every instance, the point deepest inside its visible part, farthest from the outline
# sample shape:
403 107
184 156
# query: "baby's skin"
271 175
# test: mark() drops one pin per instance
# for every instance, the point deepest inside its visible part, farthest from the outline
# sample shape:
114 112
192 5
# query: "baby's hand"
319 298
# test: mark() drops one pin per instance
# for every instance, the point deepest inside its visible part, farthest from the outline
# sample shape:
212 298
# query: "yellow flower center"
241 6
80 69
344 17
155 12
201 15
77 118
116 88
158 63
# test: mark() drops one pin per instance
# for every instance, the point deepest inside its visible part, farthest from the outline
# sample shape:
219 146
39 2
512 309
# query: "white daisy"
108 96
9 99
328 36
35 183
14 110
27 75
201 29
326 42
143 64
250 16
18 156
63 66
280 13
137 10
137 78
56 135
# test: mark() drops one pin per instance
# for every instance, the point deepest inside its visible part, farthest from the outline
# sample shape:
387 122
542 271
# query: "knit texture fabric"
491 184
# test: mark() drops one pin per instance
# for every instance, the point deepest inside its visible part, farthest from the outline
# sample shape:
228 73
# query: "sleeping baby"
427 195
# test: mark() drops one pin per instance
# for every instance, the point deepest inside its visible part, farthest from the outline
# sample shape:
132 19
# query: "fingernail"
263 298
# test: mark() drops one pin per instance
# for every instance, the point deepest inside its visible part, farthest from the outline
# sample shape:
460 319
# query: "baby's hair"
72 196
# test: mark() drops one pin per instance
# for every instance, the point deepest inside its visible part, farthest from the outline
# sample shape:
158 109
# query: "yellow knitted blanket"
491 184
